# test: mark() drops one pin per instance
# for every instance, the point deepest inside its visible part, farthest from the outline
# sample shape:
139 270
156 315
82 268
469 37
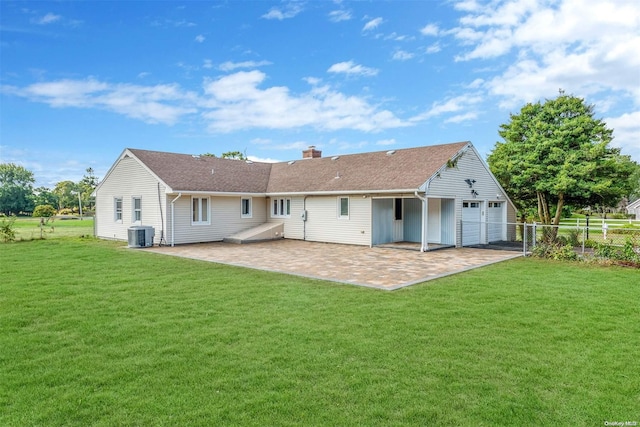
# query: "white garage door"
470 223
494 217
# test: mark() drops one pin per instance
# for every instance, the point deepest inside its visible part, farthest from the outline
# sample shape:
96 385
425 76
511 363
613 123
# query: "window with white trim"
136 203
200 211
245 207
117 209
280 208
343 207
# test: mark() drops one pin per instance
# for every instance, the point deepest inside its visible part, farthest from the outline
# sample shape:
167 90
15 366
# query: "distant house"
433 195
634 209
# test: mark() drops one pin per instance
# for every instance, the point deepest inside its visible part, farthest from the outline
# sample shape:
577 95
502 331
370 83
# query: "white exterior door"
495 219
471 228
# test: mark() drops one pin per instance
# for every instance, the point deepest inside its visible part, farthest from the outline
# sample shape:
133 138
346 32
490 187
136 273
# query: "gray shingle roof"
184 172
402 169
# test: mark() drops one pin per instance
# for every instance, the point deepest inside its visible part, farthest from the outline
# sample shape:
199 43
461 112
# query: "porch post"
425 225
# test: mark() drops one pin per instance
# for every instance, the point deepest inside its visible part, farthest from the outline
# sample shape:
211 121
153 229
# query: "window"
397 209
200 211
281 208
137 209
343 207
117 207
245 207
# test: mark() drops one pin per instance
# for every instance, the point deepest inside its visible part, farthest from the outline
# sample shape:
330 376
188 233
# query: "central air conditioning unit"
141 236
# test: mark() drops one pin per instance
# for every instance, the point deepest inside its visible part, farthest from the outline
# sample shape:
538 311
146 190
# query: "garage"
471 218
495 221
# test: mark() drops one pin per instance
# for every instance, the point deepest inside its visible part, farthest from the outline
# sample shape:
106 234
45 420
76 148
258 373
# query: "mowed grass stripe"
92 333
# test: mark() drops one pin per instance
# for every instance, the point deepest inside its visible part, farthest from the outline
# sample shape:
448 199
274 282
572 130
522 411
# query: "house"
634 208
433 195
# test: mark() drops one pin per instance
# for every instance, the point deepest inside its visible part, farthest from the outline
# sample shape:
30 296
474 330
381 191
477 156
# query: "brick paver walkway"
384 268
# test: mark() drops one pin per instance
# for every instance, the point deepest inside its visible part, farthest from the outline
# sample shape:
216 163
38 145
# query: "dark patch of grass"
92 333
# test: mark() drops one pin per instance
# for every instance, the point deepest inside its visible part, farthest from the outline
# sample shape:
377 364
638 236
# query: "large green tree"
67 192
557 153
16 189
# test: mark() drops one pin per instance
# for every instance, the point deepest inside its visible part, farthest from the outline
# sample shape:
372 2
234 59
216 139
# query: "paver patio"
382 268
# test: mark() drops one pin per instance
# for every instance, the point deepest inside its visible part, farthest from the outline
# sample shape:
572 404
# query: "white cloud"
351 68
49 18
434 48
200 38
230 66
401 55
232 102
430 30
372 24
207 64
451 105
626 132
236 102
583 49
339 15
290 10
151 104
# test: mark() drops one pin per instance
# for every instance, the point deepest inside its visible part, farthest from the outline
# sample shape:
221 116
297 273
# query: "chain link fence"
526 237
584 240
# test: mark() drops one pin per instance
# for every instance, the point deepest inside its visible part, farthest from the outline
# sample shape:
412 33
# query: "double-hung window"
200 211
245 207
281 208
343 207
117 209
137 209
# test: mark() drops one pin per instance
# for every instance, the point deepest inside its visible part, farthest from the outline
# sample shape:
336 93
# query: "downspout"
424 245
173 219
304 222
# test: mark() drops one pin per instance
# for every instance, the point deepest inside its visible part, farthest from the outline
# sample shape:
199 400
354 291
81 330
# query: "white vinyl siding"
323 225
451 184
200 212
225 218
128 179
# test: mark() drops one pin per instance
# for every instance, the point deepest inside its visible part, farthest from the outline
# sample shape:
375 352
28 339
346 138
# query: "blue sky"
81 81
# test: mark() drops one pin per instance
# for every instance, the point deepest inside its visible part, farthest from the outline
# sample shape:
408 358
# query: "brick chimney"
311 153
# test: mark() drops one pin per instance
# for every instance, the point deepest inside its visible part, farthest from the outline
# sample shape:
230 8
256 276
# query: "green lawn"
92 333
29 228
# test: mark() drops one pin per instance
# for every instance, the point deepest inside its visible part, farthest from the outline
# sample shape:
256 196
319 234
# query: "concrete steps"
260 233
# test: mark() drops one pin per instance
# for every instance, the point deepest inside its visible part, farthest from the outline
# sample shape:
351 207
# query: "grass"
92 333
28 228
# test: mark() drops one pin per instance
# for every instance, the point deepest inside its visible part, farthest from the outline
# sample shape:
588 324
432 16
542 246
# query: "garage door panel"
471 223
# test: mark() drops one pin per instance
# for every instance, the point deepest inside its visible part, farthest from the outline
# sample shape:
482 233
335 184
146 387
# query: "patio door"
382 221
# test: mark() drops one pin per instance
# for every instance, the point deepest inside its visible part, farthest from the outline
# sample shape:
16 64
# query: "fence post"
535 234
524 239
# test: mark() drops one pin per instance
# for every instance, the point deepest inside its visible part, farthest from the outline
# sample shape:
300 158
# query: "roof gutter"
173 239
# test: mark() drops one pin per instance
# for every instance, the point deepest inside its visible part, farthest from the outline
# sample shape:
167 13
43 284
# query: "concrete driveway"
382 268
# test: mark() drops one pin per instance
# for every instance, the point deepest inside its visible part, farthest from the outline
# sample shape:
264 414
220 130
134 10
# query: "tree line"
18 195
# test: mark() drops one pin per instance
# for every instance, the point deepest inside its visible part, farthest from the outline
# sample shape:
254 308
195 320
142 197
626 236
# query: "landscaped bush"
557 251
65 211
628 254
7 229
44 211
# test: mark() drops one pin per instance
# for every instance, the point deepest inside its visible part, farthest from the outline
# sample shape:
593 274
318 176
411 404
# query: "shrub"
573 237
65 211
44 211
560 252
7 230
